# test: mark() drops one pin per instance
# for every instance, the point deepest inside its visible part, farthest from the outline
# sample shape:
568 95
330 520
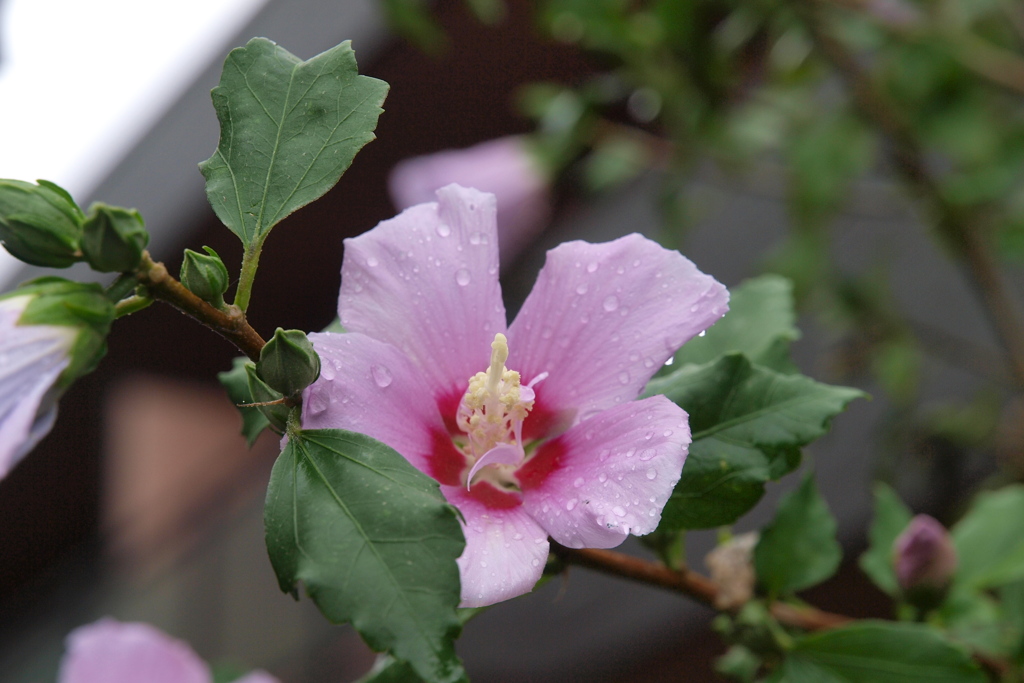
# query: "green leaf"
374 542
412 20
748 425
891 518
878 652
236 382
761 323
288 130
798 549
990 540
387 669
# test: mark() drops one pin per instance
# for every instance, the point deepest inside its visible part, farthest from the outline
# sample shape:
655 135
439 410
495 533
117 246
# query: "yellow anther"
492 410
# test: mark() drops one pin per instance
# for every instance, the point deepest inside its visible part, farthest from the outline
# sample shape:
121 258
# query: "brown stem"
230 324
689 583
957 229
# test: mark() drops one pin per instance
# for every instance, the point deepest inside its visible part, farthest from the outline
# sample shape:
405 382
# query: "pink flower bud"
924 555
504 167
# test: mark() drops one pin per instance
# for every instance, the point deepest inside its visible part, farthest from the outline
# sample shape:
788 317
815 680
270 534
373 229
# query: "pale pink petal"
603 318
109 651
505 549
426 281
502 454
257 677
609 476
32 358
503 167
368 386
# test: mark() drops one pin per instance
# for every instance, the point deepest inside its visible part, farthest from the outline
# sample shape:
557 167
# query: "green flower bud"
277 413
288 362
113 238
63 303
40 224
205 275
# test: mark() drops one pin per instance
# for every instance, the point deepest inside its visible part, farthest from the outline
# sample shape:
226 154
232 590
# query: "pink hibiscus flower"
109 651
532 430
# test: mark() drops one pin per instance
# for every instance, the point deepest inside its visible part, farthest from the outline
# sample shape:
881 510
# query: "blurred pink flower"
110 651
924 555
532 430
503 167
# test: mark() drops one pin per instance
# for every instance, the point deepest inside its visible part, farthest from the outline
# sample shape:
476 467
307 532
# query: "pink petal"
109 651
609 476
505 549
370 387
603 318
503 167
502 454
426 281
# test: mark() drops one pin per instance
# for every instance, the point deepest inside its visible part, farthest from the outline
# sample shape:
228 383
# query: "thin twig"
691 584
956 228
230 324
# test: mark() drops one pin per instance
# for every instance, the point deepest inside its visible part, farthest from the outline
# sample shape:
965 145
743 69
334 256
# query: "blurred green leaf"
289 130
798 549
760 324
412 20
877 652
615 160
374 542
990 540
891 518
748 425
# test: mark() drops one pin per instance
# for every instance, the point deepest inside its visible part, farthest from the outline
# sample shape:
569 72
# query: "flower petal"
505 549
109 651
370 387
503 167
32 358
603 318
609 476
426 281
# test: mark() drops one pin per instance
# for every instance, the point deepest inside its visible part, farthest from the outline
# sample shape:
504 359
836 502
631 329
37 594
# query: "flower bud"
52 331
732 570
288 362
276 413
925 560
40 224
205 275
113 238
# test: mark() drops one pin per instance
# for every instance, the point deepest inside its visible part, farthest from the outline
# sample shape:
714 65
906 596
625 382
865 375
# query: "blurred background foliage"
924 95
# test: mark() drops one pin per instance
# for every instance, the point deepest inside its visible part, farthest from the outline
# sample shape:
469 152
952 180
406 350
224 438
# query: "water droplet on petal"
591 267
372 262
462 277
381 375
702 333
623 377
443 229
579 482
611 303
327 371
570 505
603 455
619 511
535 563
316 404
602 477
581 288
652 474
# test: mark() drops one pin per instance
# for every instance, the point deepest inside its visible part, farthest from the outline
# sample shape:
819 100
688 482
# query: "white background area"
81 81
